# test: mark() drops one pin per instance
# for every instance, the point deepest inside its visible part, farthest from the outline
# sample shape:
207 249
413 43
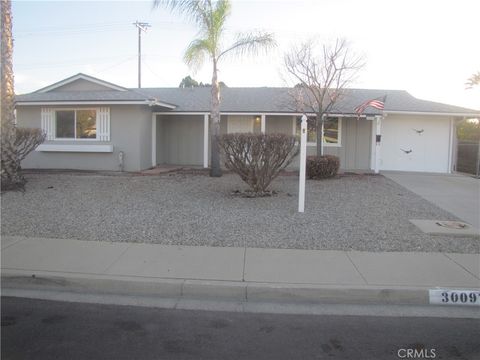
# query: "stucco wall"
130 127
180 139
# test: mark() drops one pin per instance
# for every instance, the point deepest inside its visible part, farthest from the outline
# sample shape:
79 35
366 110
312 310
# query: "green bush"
322 167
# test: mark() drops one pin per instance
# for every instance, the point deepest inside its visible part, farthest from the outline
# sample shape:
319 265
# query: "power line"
68 63
152 71
92 28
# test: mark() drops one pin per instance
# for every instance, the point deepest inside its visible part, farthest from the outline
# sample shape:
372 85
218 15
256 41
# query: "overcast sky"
427 47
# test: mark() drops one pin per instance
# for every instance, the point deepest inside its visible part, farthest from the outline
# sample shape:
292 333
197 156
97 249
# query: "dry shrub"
258 158
26 140
322 167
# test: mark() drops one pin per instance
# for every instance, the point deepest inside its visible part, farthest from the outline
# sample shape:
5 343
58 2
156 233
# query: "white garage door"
418 143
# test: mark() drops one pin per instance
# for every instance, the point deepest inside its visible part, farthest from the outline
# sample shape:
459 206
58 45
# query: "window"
76 124
331 131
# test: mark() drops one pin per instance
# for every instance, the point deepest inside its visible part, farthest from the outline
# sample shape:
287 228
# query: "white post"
378 134
323 134
262 124
373 143
205 141
303 160
154 140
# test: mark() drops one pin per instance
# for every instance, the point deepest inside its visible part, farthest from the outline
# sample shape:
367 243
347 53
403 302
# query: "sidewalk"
239 274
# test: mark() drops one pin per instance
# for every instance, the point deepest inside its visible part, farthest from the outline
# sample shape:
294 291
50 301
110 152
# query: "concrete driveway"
455 193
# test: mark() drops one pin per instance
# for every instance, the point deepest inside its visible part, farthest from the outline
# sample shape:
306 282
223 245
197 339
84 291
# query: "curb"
243 292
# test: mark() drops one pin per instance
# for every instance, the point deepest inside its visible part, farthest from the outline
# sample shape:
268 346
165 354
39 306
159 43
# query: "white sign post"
303 160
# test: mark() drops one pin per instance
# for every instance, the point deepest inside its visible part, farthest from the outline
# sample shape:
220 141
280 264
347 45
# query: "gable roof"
83 77
234 99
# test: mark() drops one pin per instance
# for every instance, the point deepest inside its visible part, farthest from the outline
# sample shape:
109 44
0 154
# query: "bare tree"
321 76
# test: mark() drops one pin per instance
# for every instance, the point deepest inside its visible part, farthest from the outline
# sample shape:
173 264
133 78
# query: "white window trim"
325 144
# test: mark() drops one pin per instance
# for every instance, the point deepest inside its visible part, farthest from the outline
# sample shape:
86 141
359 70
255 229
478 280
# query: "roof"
84 77
273 100
234 99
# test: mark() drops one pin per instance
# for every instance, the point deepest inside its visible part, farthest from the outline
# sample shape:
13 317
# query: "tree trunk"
319 122
10 174
215 169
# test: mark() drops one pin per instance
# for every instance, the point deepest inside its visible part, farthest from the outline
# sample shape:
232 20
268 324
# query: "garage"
416 143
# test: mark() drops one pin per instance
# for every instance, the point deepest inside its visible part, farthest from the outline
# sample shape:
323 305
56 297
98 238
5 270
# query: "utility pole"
142 26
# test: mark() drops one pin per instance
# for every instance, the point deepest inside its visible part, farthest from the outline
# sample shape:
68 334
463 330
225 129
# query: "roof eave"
431 113
88 102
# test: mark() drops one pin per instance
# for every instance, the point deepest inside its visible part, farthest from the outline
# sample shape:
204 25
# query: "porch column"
378 135
154 140
205 140
262 124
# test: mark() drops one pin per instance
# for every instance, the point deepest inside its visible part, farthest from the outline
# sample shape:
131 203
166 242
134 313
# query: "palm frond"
195 10
250 43
219 16
195 54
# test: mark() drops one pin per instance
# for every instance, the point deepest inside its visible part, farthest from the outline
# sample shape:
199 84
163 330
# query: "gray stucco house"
92 124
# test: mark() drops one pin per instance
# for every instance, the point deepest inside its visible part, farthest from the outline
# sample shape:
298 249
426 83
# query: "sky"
427 47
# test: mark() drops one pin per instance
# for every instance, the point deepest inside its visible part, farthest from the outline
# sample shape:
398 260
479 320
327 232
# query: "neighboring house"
91 124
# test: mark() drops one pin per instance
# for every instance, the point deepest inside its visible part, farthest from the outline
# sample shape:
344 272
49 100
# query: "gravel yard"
367 213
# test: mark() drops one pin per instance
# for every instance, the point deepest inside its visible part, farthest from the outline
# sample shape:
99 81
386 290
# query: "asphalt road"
38 329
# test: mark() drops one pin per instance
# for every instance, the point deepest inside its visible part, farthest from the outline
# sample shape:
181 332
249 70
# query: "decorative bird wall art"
419 132
407 151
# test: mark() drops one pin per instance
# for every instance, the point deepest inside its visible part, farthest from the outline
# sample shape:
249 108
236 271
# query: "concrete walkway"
234 273
455 193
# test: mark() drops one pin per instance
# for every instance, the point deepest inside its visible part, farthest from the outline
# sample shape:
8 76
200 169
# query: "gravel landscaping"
355 212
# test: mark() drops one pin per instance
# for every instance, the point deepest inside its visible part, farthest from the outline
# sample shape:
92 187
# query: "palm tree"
10 175
210 17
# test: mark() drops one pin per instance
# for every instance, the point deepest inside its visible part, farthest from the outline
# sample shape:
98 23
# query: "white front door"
239 124
415 143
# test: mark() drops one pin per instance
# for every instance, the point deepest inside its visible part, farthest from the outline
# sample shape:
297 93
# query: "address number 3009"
454 297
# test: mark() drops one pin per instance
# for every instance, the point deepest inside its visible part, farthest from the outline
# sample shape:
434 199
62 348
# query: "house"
92 124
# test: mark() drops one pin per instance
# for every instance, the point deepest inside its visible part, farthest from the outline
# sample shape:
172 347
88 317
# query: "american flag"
378 103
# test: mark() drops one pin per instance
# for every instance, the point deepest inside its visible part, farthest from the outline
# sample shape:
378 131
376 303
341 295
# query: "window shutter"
103 123
48 123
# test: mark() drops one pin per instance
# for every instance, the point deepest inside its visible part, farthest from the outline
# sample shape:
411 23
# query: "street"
39 329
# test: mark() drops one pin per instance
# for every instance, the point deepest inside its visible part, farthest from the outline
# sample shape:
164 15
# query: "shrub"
26 140
258 158
322 167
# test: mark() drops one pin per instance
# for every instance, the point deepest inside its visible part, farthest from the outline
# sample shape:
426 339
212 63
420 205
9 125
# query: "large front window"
331 131
76 124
